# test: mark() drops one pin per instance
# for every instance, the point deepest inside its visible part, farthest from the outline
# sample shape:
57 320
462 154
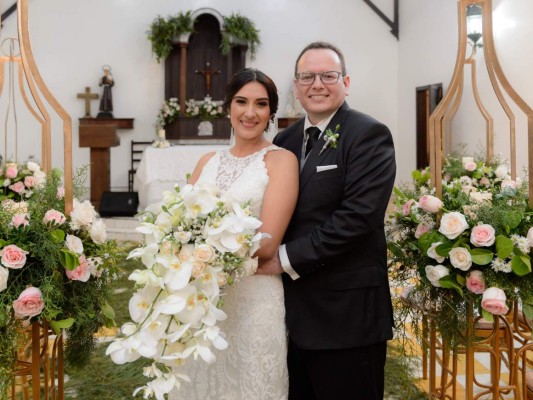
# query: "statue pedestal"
99 134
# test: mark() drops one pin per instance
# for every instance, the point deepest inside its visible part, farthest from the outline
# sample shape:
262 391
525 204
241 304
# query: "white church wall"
427 54
72 39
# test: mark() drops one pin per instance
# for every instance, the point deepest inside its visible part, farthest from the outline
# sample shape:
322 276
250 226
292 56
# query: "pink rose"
13 257
60 192
509 183
420 230
493 301
29 304
11 171
406 209
17 187
54 216
81 273
19 220
29 181
475 282
470 166
483 235
484 181
430 204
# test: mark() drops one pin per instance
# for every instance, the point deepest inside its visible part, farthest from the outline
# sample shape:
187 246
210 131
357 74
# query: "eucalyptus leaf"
487 315
528 310
58 236
521 265
443 249
61 324
504 246
395 249
68 259
450 282
427 239
481 256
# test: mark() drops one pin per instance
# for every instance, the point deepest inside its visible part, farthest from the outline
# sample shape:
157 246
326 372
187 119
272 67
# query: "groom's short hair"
320 46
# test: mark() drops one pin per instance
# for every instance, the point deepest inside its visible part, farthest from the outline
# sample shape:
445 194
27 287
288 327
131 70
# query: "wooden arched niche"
195 63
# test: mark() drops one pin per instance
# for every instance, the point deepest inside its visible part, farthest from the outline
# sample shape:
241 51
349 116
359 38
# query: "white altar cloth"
161 169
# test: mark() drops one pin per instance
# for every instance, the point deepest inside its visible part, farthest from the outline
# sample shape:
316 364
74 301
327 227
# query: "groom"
337 297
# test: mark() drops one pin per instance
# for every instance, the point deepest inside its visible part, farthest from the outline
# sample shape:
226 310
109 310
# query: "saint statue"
106 102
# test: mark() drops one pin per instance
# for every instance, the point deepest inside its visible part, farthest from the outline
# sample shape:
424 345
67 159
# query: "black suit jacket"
336 241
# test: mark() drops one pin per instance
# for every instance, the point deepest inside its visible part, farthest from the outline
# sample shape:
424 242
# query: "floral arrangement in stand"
473 246
168 113
17 181
54 268
205 109
194 244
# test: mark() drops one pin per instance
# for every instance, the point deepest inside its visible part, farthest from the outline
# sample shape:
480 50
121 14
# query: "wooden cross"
207 73
88 96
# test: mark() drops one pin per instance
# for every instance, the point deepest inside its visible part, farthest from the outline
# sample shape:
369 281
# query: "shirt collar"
322 125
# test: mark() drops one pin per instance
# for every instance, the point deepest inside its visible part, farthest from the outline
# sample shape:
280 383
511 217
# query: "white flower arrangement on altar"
168 113
205 109
194 244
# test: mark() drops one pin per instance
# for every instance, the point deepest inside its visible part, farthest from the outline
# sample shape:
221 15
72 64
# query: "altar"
160 169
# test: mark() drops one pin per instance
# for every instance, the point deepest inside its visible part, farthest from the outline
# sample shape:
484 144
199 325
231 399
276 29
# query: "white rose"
453 224
98 232
4 274
433 254
204 253
461 258
83 214
479 197
186 252
33 167
74 244
40 178
250 266
434 273
502 171
183 237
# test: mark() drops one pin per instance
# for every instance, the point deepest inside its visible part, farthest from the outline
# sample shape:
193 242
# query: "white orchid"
194 242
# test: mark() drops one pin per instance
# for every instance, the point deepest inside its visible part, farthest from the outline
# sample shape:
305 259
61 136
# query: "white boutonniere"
330 138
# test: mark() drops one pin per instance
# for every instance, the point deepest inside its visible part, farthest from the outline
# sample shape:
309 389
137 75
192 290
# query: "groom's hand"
271 266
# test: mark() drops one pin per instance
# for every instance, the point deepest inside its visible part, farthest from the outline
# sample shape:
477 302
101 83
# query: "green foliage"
241 28
163 31
73 305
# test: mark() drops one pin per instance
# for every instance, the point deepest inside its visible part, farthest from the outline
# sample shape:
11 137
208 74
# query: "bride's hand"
272 266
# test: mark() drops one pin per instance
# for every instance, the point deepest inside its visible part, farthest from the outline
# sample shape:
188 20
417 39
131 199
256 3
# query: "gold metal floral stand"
508 339
39 372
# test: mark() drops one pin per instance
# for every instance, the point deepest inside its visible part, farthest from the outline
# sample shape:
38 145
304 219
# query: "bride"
253 367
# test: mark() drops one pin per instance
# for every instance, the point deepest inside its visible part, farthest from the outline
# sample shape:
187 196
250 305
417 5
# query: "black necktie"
312 137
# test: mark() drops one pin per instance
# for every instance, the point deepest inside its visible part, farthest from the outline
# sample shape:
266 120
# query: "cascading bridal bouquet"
194 243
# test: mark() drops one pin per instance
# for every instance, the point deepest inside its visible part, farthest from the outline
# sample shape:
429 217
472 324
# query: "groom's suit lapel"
316 156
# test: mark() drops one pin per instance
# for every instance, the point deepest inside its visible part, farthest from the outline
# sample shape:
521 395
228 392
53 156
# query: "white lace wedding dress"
253 367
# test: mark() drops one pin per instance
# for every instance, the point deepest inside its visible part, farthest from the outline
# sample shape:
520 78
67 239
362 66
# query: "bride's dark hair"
247 75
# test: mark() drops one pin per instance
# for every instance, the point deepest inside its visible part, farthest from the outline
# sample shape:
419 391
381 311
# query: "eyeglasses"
327 77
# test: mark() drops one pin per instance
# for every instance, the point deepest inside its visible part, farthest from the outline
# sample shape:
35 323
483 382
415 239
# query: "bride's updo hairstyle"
247 75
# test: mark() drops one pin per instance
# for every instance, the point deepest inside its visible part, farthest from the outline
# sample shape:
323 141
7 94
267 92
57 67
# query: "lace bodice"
244 178
253 367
